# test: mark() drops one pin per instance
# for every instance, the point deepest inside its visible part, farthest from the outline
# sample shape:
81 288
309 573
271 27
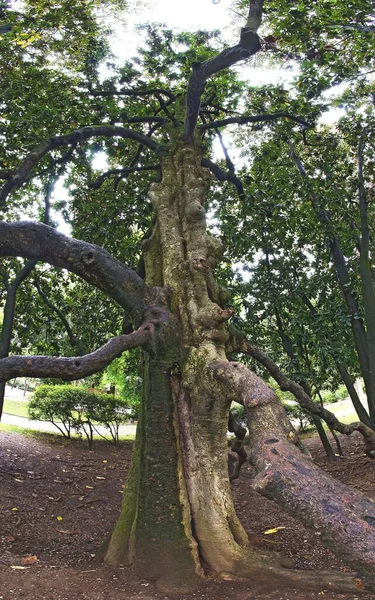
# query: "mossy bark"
178 519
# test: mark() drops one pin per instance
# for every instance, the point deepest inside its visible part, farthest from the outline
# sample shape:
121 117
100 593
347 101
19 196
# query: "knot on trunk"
249 40
88 258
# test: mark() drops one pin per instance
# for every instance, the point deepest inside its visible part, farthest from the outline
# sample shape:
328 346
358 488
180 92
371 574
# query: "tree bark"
342 517
191 527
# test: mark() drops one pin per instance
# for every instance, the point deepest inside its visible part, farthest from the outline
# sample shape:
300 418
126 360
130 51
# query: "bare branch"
222 175
137 92
85 133
154 119
75 367
90 262
230 164
123 173
255 119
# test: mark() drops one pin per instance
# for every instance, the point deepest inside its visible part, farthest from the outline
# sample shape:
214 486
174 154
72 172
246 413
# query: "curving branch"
305 401
222 175
255 119
248 45
75 367
92 263
122 173
85 133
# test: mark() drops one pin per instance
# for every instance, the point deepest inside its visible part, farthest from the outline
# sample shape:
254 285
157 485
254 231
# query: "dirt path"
58 500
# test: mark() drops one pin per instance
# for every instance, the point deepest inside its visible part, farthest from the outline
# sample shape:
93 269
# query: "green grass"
16 407
343 411
49 436
5 427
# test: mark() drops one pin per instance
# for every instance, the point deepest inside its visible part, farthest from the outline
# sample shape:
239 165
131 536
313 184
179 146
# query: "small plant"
76 409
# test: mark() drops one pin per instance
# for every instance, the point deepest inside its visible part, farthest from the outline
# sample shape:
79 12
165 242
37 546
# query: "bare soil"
58 500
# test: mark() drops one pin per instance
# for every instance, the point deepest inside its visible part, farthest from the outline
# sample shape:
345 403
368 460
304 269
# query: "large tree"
178 520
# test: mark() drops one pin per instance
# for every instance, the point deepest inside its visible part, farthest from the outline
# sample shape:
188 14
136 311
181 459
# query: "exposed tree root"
335 581
342 517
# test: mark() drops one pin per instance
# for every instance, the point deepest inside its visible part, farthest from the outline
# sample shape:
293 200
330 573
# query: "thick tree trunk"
342 517
154 532
178 520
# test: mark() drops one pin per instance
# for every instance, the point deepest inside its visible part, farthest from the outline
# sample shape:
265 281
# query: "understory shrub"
76 409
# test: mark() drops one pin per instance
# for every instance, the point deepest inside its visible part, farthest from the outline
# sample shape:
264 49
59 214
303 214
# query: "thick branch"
90 262
79 135
249 44
254 119
73 368
305 401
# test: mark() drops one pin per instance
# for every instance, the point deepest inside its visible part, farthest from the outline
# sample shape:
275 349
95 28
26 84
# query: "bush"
328 397
341 393
72 408
296 412
238 411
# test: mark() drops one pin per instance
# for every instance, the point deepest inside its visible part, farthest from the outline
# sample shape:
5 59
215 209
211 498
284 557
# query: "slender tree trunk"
8 319
289 349
358 406
367 283
342 370
338 259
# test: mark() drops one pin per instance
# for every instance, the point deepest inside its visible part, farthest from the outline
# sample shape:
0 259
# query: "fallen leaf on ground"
69 531
29 560
274 530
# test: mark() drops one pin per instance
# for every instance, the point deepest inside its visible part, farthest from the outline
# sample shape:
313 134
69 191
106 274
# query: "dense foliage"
77 410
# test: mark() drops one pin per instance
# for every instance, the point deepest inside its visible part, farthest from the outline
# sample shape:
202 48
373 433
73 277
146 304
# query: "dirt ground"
58 500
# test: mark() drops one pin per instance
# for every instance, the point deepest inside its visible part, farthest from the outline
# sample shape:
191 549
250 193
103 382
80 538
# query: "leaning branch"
254 119
85 133
76 367
92 263
288 385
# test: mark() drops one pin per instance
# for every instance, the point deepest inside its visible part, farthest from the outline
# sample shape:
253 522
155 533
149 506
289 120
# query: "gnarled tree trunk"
178 520
178 513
